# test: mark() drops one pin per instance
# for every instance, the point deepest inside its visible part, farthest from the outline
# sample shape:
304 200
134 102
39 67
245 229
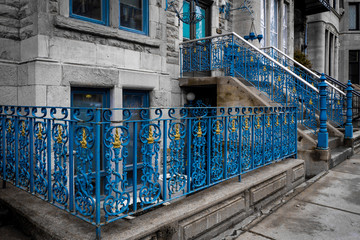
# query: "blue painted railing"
96 163
335 98
237 57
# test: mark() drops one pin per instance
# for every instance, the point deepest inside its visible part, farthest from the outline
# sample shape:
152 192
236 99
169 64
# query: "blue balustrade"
236 57
336 98
101 168
349 114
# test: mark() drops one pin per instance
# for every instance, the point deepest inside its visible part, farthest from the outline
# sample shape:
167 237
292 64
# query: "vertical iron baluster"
226 119
189 127
135 166
164 160
31 157
252 127
272 140
4 152
48 145
208 163
97 170
240 142
281 135
263 138
71 167
16 151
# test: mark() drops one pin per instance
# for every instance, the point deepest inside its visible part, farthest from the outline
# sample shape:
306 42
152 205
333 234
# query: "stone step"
340 154
334 142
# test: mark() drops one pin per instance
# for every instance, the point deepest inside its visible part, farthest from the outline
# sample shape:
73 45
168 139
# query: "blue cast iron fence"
105 164
336 97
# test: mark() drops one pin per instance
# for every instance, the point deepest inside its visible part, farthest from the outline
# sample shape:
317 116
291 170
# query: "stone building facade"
53 52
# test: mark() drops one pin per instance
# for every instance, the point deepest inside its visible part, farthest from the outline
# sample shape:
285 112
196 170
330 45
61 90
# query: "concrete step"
356 141
340 154
334 142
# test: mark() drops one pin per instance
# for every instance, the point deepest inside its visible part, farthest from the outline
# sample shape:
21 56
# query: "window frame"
145 18
358 65
104 12
357 17
274 12
204 5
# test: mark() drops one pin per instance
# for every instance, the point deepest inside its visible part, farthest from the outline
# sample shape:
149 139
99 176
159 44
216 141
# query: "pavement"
328 209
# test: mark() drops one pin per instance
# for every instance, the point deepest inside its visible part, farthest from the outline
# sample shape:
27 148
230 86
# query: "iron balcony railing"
336 97
105 164
237 57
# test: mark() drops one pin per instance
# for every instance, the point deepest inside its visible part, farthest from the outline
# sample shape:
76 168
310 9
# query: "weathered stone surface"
160 99
8 76
150 62
110 56
32 95
9 49
139 80
298 173
132 59
47 73
8 95
58 96
268 188
89 76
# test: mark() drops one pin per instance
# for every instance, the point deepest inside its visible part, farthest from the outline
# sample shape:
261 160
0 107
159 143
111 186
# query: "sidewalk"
328 209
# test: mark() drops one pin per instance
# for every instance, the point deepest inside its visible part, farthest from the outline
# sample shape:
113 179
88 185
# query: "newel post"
348 125
323 136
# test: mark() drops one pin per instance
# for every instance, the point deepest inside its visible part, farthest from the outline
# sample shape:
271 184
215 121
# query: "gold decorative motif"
285 120
83 142
217 131
59 137
279 79
233 128
117 142
238 49
292 119
23 129
294 90
9 127
246 124
312 84
199 133
39 134
150 139
177 132
185 52
194 50
251 59
338 102
215 46
277 120
268 121
310 102
204 48
226 44
258 122
264 69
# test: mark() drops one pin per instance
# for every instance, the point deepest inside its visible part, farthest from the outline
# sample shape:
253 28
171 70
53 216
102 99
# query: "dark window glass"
354 16
88 8
354 66
131 14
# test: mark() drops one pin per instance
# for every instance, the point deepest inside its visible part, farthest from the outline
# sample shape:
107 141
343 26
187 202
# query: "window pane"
352 17
354 66
353 56
273 22
186 27
200 26
285 27
91 9
263 22
131 14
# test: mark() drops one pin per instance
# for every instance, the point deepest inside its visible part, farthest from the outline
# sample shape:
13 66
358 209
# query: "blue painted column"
348 125
323 136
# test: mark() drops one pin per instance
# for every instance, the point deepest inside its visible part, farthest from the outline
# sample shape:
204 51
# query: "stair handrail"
305 68
260 52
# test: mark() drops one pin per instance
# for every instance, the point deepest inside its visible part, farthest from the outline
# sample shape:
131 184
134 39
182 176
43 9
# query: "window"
354 66
285 28
263 22
274 23
92 10
354 16
199 30
134 15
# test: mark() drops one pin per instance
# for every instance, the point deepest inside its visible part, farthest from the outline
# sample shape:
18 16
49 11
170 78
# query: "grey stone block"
9 74
265 189
139 80
8 96
298 172
89 76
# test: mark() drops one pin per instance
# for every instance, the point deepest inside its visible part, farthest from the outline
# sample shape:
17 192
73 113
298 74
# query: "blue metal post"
97 171
71 167
348 125
323 136
31 157
164 161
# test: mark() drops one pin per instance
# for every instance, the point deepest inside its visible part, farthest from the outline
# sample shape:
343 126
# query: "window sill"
104 31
